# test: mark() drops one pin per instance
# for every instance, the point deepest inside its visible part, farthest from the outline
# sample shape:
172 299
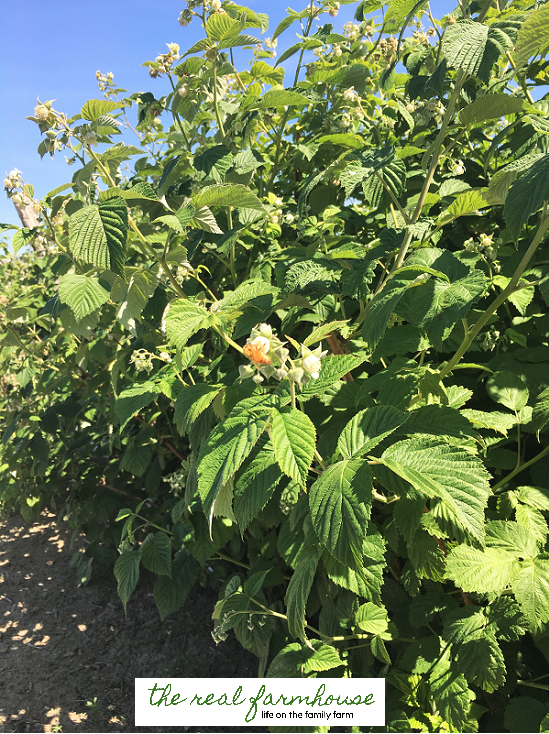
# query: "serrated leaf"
368 428
243 294
170 593
235 195
321 332
183 319
296 660
283 97
294 440
372 618
94 108
133 399
526 196
334 367
255 486
135 294
97 234
474 48
511 537
340 501
531 590
438 420
223 454
82 294
119 152
376 321
490 107
450 473
156 554
136 460
533 520
126 571
191 402
482 662
540 412
533 36
366 581
509 389
299 589
495 421
491 570
451 694
537 497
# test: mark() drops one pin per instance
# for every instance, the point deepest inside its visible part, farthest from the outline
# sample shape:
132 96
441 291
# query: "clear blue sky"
52 50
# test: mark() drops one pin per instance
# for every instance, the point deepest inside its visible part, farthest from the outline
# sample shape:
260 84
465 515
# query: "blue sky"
52 50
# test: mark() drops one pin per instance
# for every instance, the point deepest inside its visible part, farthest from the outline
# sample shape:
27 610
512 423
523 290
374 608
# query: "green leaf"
134 295
531 590
119 152
451 694
283 97
367 580
170 593
368 428
235 195
136 459
490 107
97 234
526 196
509 389
334 367
221 25
511 537
495 421
133 399
294 440
533 37
296 660
82 294
524 714
540 412
191 402
94 108
537 497
474 48
465 203
376 321
399 10
491 570
183 319
321 332
438 420
126 571
243 294
371 618
450 473
156 554
299 589
533 520
255 486
482 662
340 501
223 454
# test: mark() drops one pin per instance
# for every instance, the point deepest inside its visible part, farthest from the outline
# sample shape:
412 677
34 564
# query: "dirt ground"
68 656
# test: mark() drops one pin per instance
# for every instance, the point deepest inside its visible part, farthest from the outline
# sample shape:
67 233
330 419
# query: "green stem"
292 393
176 116
503 296
520 468
216 107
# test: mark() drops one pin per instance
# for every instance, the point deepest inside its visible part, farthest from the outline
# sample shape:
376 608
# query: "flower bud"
183 91
174 49
17 200
246 371
41 112
295 374
258 379
7 183
90 138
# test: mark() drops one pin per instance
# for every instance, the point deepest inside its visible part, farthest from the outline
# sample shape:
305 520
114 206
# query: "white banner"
259 702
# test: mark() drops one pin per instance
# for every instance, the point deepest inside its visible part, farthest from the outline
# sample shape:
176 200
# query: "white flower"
216 6
165 356
458 169
486 240
174 49
333 9
183 91
312 365
7 183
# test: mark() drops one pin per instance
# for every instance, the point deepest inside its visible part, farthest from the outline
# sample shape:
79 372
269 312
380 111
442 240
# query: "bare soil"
69 656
